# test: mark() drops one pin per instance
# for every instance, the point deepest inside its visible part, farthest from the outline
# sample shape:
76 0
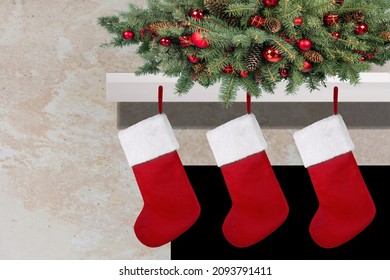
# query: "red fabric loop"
336 100
160 99
248 103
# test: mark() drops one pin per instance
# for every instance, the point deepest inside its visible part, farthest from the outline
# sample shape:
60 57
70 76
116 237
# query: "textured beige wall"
66 191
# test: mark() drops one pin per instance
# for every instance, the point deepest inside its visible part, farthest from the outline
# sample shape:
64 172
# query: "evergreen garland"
252 45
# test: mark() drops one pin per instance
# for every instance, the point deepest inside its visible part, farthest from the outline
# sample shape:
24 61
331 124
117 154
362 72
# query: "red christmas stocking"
258 204
345 205
170 204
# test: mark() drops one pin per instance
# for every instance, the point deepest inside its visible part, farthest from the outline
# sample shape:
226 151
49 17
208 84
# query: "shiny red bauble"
298 21
284 73
228 69
244 73
271 54
128 35
270 3
193 59
304 44
196 14
336 35
200 40
331 19
256 21
340 2
361 28
165 42
307 66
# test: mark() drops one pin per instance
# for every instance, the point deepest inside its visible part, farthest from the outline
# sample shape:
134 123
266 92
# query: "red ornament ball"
336 35
228 69
307 66
340 2
193 59
185 41
200 40
284 73
271 54
298 21
165 42
244 73
196 14
270 3
361 28
128 35
256 21
362 59
331 19
304 44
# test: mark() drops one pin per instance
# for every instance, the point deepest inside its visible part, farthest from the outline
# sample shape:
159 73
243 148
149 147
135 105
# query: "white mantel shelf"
127 87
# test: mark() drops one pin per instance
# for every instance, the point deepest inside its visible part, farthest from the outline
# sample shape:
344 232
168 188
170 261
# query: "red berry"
230 49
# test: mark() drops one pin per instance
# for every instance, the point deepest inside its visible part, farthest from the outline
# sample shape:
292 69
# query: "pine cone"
355 17
253 58
199 67
272 24
218 9
385 35
313 56
259 77
155 26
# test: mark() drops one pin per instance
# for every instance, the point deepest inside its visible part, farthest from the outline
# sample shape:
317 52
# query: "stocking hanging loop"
336 100
248 103
160 99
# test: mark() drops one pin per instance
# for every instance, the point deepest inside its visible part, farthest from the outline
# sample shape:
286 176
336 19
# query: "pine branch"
228 90
285 48
242 9
184 83
250 85
225 27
